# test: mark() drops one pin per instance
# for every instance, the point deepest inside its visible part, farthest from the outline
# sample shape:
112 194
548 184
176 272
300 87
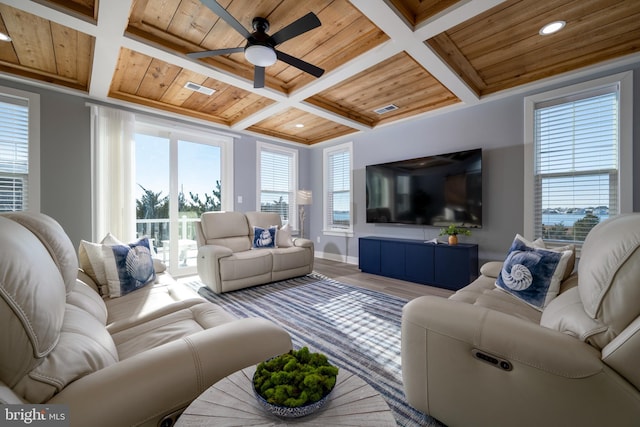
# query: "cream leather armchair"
140 363
483 361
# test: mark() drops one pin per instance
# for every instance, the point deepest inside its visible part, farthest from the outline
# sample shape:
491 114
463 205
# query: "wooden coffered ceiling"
417 55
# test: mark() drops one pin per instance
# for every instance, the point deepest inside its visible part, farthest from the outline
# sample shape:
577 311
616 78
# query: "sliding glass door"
178 177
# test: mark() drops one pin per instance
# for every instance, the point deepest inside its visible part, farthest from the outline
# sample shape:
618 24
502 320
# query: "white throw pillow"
91 260
283 236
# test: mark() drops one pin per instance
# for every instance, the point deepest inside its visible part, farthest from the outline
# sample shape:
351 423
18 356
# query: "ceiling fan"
260 48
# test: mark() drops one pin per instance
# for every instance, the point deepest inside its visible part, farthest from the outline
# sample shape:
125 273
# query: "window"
277 175
337 194
179 174
576 171
19 156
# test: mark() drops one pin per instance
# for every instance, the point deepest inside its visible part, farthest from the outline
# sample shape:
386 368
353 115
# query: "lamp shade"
304 197
259 55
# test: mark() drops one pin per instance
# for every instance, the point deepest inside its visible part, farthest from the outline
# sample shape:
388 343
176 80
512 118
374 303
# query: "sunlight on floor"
347 312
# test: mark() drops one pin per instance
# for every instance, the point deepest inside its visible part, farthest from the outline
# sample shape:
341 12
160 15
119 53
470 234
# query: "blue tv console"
441 265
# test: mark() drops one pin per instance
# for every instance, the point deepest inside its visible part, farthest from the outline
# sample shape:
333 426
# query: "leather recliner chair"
227 262
470 365
57 345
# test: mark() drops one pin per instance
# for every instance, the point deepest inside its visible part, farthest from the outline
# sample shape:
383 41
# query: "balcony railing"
158 231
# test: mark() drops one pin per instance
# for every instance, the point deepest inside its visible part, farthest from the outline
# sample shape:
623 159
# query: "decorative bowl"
289 412
294 384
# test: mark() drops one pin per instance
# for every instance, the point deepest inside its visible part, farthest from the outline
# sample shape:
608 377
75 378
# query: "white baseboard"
337 257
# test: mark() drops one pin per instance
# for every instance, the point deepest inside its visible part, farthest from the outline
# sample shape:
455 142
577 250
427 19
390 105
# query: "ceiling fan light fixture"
552 27
261 56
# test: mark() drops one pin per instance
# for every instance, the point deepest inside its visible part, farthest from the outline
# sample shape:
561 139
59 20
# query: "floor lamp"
303 197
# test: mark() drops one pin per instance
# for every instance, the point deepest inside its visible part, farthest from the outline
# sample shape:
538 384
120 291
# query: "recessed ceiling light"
5 37
552 27
299 125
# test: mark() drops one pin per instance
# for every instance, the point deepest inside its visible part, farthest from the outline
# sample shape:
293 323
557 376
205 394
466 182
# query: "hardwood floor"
351 275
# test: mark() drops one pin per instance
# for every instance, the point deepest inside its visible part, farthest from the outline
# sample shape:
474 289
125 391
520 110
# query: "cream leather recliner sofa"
227 260
484 358
135 360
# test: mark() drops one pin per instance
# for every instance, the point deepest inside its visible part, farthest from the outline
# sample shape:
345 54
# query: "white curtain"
114 207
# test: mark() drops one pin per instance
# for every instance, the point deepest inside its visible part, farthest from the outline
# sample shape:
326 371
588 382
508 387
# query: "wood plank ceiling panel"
399 80
316 129
84 9
501 48
151 82
417 11
43 50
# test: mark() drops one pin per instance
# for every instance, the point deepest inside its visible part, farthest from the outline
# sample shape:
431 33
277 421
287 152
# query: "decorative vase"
453 239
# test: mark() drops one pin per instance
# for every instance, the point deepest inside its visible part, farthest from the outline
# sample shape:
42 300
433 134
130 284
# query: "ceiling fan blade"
306 23
258 77
227 17
300 64
216 52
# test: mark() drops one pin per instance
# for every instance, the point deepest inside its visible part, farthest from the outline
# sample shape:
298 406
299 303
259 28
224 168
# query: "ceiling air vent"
386 109
199 88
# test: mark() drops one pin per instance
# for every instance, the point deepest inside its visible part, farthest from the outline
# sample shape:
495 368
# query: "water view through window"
577 164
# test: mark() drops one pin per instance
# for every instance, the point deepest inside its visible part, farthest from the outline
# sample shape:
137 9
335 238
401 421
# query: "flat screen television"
433 191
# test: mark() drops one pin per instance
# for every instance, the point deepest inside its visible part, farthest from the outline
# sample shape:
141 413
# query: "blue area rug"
358 329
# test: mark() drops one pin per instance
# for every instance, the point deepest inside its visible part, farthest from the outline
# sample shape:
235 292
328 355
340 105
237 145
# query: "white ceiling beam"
284 105
113 18
199 67
331 116
54 15
296 99
385 18
350 69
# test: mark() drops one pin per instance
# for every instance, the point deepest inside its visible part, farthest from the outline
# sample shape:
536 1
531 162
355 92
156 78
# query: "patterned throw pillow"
532 274
264 237
128 267
539 243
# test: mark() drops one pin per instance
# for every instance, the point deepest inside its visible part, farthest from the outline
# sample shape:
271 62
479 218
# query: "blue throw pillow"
128 267
532 274
264 237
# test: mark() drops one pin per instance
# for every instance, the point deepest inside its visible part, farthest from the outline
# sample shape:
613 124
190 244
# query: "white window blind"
14 154
277 186
576 142
338 208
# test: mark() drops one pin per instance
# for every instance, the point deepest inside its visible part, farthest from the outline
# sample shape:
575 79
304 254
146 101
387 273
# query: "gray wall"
495 126
65 153
503 157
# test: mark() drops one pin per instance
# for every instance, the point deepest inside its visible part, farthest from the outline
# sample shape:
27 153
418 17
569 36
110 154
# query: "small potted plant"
452 231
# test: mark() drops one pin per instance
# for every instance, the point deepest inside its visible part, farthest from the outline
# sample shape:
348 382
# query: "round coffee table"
230 402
